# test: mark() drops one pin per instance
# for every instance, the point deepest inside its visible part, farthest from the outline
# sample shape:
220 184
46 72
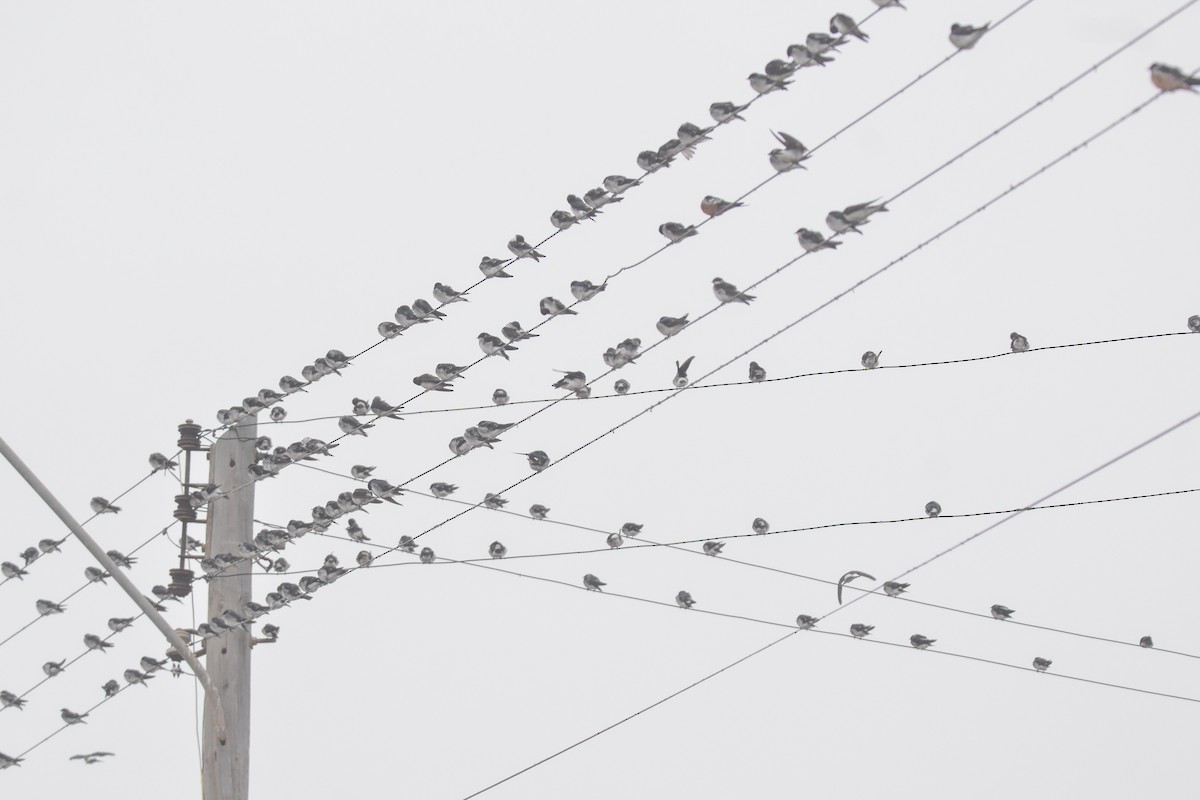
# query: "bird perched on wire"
804 56
614 540
355 531
10 700
592 583
586 290
48 607
134 676
71 718
859 630
619 184
760 526
94 642
102 506
7 761
600 197
790 156
549 306
31 554
423 309
728 293
870 359
492 345
676 232
1019 343
820 42
631 529
492 268
54 668
1002 612
964 37
691 135
845 25
1172 79
765 84
497 550
441 490
1041 664
382 408
500 397
714 206
515 333
10 570
352 427
160 462
360 472
445 295
570 381
427 555
522 249
582 209
681 377
812 241
894 589
118 624
779 69
933 508
47 546
804 622
920 642
684 600
756 373
538 511
713 548
847 578
850 217
621 386
538 460
725 111
494 500
1146 642
90 758
651 161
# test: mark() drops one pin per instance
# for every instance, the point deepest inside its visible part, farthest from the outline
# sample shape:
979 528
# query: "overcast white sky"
196 201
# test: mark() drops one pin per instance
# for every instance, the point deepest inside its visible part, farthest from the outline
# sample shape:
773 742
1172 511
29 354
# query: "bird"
1019 343
445 295
600 197
48 546
7 761
760 525
448 371
726 112
386 329
382 490
538 511
432 383
352 427
102 506
592 583
497 550
500 397
1002 612
631 529
582 208
552 307
676 232
1171 79
90 758
538 460
757 373
491 345
1194 323
790 156
47 607
804 56
570 381
522 249
382 408
843 24
53 668
270 632
289 385
681 378
514 332
684 600
586 290
728 293
618 184
690 134
8 699
764 84
888 3
858 630
427 555
132 676
583 392
160 462
355 531
849 576
31 554
118 624
493 267
614 540
920 642
149 664
870 359
1041 664
1146 642
713 548
621 386
804 622
360 472
894 589
94 642
714 206
407 544
563 219
441 490
964 37
651 161
494 501
812 241
820 42
71 718
10 570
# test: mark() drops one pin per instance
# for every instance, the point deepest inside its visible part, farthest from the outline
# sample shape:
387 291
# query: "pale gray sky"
195 202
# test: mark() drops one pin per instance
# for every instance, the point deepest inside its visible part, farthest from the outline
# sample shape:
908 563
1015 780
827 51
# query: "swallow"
118 624
570 381
427 555
10 570
494 501
713 548
582 209
843 24
352 427
53 668
491 345
441 490
840 223
1194 323
388 330
497 550
618 184
621 386
1171 79
790 156
263 444
870 359
673 147
779 69
1146 642
583 392
31 554
445 295
803 56
407 544
424 309
820 42
760 526
690 134
500 397
684 600
586 290
728 293
614 540
600 197
894 589
964 37
538 460
1002 612
858 630
493 267
714 206
163 593
592 583
920 642
160 462
551 307
432 383
1019 343
491 430
407 317
47 607
133 676
9 761
757 373
90 758
8 699
102 506
71 718
289 385
359 407
1041 664
522 249
812 241
360 472
382 490
563 219
669 326
515 333
764 84
631 529
933 508
849 576
269 397
270 632
725 112
805 623
651 161
681 378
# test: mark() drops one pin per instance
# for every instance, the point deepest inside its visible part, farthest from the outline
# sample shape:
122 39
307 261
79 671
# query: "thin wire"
821 373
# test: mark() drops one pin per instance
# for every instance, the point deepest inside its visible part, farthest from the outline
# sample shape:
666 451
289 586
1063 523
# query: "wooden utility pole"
226 768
